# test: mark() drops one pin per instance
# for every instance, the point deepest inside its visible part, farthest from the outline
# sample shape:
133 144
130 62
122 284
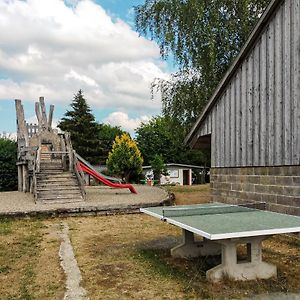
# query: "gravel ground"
98 198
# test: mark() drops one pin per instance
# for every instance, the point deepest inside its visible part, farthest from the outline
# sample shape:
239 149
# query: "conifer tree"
81 124
107 135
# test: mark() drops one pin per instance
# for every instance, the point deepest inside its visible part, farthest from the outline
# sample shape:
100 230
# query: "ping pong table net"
210 210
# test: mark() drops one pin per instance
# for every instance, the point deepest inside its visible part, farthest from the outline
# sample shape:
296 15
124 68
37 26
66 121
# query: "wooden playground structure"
46 159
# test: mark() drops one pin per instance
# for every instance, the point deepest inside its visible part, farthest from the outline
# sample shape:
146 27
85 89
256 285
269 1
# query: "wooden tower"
47 164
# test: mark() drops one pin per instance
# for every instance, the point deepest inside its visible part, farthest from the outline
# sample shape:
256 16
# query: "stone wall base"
279 187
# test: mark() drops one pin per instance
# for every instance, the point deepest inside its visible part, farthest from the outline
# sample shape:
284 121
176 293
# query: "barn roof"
254 36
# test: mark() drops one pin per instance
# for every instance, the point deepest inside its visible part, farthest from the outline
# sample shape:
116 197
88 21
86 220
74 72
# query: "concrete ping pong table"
223 227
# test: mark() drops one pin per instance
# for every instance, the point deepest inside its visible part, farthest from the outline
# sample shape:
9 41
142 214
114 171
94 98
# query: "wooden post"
44 115
20 178
38 115
63 149
50 116
25 178
69 149
21 124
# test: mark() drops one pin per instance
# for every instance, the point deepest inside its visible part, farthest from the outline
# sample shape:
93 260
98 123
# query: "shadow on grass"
190 273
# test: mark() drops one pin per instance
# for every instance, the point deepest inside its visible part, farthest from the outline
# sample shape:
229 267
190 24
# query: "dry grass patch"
109 253
128 257
29 262
191 194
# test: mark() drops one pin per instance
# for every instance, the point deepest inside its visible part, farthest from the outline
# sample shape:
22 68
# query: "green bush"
125 158
158 166
8 168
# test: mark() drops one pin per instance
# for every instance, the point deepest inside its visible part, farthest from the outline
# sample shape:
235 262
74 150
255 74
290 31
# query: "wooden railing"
74 164
35 171
79 174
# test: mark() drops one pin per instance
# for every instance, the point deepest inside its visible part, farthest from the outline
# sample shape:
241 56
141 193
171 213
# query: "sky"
53 48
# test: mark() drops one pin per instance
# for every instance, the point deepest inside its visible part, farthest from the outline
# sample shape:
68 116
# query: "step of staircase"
51 162
46 168
42 174
54 188
54 160
60 200
52 172
58 179
60 197
54 185
58 194
46 195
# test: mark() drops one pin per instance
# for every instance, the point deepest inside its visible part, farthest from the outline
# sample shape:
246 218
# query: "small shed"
178 173
252 121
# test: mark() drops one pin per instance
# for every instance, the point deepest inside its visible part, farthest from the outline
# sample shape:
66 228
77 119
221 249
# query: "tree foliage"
106 135
158 166
125 159
81 124
8 168
203 37
164 136
157 137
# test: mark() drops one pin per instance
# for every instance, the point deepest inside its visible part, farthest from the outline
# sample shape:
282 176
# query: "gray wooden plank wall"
256 121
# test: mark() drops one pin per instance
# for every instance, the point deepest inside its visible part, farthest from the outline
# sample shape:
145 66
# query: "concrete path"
68 262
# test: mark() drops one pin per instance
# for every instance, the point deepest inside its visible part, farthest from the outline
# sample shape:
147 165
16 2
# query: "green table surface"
229 225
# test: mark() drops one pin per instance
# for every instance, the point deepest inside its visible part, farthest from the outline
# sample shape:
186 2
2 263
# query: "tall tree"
164 136
203 37
8 168
125 158
157 137
80 122
106 135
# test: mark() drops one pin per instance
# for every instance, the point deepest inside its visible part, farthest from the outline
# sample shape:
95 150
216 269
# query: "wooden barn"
252 121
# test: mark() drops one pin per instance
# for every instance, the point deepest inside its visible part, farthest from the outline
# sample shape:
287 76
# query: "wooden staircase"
54 185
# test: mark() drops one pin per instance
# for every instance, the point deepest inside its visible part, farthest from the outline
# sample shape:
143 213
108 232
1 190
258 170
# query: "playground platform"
100 200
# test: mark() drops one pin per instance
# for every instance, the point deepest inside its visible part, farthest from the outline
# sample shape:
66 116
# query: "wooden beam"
69 150
25 179
63 149
21 124
44 115
38 115
20 178
50 116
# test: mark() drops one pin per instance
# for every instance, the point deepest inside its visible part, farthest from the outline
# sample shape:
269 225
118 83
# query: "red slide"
96 175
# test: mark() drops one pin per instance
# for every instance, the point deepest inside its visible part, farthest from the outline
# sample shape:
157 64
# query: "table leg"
191 248
253 268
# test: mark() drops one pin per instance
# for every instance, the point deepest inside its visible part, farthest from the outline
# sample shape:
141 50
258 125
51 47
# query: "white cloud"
53 48
124 121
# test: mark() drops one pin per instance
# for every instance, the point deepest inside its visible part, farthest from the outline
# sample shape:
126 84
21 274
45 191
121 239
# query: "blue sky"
53 48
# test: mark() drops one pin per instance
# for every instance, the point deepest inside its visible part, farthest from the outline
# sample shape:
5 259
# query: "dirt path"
69 264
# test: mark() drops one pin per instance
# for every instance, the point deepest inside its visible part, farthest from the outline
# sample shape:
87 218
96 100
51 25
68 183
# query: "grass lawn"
193 194
29 263
127 257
